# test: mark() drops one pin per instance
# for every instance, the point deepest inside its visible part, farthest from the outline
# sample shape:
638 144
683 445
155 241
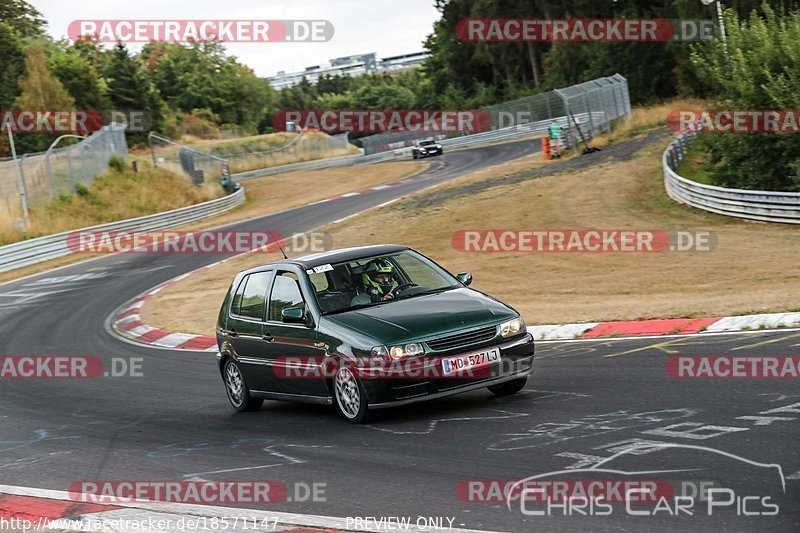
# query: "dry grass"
753 269
645 118
271 194
111 197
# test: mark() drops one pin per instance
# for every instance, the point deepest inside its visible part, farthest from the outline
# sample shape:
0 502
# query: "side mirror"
293 315
465 278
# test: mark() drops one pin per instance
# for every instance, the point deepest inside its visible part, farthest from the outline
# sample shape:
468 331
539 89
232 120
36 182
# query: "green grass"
694 166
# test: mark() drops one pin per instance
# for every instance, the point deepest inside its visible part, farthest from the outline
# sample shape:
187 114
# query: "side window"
236 303
285 293
254 296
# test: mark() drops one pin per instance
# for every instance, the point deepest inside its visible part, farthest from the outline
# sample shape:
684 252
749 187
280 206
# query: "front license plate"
461 363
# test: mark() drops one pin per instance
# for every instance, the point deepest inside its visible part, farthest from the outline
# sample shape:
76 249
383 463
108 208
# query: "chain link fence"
198 165
303 146
245 155
585 110
41 177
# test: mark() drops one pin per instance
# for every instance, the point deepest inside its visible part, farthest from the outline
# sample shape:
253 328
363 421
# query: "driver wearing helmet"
378 280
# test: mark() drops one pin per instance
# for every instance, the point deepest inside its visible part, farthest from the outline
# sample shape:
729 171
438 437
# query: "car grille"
463 339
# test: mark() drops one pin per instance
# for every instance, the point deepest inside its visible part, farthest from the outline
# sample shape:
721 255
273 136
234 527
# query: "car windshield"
427 143
378 280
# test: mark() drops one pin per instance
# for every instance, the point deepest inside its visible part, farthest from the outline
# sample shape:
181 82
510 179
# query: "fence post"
589 112
152 150
49 168
23 188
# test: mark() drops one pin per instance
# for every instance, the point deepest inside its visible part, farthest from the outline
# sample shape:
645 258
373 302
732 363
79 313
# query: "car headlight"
380 351
512 327
406 350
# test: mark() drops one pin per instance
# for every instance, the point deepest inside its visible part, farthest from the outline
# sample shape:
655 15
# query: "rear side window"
253 299
236 303
285 293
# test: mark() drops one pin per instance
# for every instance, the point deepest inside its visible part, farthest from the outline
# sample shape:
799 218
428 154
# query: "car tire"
414 155
509 387
349 397
237 389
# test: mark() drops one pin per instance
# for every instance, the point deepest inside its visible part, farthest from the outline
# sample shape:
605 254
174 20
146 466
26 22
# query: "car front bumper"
516 362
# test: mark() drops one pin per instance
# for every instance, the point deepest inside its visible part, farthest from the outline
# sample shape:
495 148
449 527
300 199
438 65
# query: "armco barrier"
41 249
766 206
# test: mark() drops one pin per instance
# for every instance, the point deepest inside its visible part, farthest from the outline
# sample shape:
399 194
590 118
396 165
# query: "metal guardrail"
767 206
34 251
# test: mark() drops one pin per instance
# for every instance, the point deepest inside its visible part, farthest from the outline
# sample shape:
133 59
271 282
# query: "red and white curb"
30 509
127 322
671 326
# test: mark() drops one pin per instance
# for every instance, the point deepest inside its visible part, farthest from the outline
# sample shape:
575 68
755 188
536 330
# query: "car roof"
334 256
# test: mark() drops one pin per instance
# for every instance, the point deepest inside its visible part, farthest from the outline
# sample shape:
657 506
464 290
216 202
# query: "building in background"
354 65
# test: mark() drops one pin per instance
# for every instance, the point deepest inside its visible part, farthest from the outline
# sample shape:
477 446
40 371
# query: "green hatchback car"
363 329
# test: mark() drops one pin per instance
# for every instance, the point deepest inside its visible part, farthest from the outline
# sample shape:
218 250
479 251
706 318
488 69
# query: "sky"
387 27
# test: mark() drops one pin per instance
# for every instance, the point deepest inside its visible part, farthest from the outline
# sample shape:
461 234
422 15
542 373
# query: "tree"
130 90
202 76
13 65
22 17
757 70
40 90
79 76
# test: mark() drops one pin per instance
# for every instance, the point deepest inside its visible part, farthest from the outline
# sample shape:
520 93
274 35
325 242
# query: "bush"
117 163
756 71
82 190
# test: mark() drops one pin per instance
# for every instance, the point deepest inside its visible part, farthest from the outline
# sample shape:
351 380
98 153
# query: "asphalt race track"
587 400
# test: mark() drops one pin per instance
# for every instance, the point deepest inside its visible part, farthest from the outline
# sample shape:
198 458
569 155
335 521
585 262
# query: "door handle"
232 333
267 337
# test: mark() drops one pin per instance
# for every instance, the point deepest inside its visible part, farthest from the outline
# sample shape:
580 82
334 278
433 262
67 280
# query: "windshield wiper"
355 307
428 292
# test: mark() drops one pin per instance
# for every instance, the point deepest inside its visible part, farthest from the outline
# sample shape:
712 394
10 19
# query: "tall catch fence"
241 156
198 165
584 110
41 177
